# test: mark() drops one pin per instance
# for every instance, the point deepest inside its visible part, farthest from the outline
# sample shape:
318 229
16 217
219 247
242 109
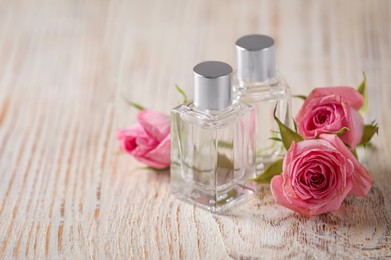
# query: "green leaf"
182 92
295 125
300 96
225 144
272 170
341 131
276 139
287 134
132 104
150 168
354 152
369 132
223 162
362 89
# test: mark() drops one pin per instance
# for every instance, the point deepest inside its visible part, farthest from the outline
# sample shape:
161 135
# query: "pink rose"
148 140
317 176
328 110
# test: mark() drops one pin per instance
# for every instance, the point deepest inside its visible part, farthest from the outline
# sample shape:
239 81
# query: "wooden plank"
66 191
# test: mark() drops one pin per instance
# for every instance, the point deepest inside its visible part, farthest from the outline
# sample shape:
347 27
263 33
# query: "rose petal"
347 94
154 123
335 203
145 143
161 154
280 198
361 178
127 137
276 187
356 123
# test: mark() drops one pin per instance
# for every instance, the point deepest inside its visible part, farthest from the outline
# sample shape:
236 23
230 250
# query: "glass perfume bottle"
212 142
259 84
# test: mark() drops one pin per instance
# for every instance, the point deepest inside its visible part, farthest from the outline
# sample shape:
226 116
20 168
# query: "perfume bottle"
212 142
258 83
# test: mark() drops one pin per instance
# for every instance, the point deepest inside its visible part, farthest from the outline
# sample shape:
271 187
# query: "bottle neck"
243 84
213 111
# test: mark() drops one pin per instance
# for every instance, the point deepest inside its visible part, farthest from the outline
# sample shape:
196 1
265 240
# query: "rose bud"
148 140
330 109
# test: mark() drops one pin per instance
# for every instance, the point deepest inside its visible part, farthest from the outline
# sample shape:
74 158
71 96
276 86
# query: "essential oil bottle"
258 83
212 142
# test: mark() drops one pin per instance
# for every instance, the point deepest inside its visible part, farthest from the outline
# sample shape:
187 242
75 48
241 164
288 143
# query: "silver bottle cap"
212 85
255 57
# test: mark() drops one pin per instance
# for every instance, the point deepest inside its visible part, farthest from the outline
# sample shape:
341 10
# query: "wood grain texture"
66 191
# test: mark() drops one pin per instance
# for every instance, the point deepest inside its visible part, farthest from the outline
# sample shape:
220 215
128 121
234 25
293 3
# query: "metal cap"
212 85
255 57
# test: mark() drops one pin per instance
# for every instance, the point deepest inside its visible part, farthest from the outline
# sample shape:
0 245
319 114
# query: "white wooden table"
66 191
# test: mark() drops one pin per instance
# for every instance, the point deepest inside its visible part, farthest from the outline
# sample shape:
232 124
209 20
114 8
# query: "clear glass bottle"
212 142
259 84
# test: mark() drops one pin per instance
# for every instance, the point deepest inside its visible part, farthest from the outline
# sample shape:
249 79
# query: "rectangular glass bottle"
267 96
212 148
212 154
257 83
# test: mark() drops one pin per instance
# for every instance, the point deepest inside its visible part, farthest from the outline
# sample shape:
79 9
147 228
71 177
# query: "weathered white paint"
66 192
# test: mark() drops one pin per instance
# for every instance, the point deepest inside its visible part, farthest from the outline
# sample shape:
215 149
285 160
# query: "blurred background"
99 50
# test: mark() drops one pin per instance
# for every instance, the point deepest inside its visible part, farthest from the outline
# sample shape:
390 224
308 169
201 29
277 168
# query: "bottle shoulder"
212 118
273 89
278 81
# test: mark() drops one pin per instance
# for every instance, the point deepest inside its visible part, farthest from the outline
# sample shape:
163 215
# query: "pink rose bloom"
317 176
148 140
328 110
